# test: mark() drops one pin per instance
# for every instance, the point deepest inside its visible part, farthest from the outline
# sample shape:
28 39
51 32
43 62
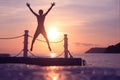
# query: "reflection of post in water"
66 51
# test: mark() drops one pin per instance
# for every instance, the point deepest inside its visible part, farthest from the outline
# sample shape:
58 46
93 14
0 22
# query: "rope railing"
59 55
18 53
13 37
25 48
37 55
45 41
45 56
33 54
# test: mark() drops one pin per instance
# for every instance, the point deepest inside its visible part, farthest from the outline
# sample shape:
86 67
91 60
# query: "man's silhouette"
40 28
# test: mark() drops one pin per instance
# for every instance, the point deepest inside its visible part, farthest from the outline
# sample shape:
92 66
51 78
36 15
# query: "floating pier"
42 61
68 59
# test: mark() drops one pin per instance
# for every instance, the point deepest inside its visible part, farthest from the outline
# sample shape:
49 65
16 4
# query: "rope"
59 55
18 53
32 54
45 41
13 37
46 56
57 41
70 54
37 40
37 56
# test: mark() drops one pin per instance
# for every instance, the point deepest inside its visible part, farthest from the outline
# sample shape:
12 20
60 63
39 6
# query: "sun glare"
52 55
53 33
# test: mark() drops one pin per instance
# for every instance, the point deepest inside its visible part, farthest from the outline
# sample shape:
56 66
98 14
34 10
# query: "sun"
53 34
52 55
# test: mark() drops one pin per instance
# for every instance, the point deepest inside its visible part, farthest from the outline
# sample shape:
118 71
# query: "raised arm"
28 5
52 4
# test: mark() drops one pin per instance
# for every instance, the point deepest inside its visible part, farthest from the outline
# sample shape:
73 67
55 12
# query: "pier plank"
42 61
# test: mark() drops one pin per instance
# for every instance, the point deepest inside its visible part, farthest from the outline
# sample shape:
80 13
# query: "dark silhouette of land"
113 49
96 50
40 28
109 49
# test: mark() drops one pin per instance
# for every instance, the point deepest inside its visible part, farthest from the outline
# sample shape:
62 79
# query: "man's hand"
53 4
28 4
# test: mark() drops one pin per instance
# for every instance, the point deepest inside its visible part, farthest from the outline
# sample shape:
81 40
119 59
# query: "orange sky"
88 23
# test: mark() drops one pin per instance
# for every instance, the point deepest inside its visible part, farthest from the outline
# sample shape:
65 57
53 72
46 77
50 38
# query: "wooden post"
25 50
65 46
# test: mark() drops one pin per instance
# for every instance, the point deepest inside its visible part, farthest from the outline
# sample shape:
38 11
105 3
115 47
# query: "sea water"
101 60
99 67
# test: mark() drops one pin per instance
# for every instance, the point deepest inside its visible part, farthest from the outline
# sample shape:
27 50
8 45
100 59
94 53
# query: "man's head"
40 11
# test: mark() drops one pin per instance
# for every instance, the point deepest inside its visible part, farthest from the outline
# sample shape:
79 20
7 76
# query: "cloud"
12 3
85 44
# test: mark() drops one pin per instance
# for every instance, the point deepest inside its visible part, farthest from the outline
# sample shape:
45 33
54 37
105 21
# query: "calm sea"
99 67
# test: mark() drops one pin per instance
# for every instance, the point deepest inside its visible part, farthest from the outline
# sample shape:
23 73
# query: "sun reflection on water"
49 73
53 73
53 76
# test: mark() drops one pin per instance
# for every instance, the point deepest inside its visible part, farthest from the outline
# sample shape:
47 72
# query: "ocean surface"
99 67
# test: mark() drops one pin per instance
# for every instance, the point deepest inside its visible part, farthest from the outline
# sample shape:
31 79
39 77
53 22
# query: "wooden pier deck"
42 61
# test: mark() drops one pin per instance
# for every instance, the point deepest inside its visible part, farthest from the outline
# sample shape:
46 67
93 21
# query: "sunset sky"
88 23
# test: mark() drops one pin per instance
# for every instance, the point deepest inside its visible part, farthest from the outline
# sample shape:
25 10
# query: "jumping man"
40 28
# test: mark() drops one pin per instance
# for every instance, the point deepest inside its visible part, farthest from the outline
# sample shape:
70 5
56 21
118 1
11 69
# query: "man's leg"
35 36
46 38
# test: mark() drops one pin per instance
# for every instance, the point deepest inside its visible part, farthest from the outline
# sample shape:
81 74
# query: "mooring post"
65 46
25 50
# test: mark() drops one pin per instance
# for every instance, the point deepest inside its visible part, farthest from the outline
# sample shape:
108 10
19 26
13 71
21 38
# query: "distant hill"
113 49
96 50
109 49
